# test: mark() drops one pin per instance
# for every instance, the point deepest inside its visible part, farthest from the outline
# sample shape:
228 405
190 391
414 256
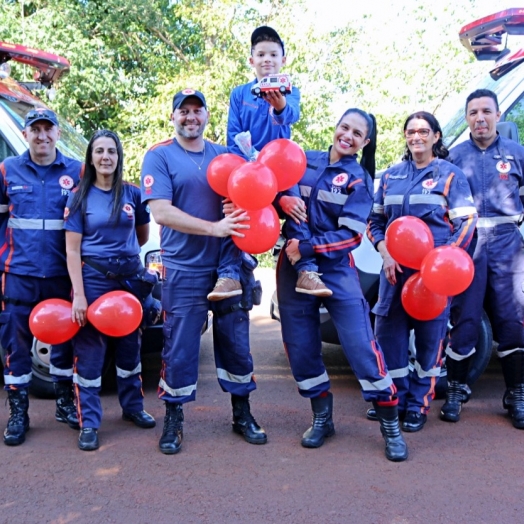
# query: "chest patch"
66 182
429 184
503 167
340 180
128 210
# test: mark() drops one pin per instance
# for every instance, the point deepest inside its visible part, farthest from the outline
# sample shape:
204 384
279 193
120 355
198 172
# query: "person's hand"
79 310
292 251
295 207
227 206
231 224
389 265
276 99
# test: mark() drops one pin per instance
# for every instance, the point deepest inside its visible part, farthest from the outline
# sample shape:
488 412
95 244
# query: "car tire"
480 360
256 91
283 90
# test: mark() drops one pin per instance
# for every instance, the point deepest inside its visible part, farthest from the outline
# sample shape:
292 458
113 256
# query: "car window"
516 114
5 149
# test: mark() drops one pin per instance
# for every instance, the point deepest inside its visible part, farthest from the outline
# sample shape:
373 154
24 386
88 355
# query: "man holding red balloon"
33 195
494 167
174 184
279 166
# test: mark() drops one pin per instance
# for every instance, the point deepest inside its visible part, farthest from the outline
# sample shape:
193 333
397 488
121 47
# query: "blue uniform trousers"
90 348
21 294
498 254
185 307
300 319
416 386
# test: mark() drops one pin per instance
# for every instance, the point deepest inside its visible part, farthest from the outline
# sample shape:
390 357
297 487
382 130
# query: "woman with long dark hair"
336 195
426 186
106 224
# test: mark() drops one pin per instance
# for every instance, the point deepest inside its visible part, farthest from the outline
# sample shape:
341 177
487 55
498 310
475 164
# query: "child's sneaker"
309 282
225 288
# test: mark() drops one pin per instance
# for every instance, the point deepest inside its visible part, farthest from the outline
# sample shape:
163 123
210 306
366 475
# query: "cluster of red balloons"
254 185
116 314
444 271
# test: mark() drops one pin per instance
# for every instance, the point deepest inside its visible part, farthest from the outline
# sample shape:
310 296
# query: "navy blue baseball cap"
260 34
41 113
183 95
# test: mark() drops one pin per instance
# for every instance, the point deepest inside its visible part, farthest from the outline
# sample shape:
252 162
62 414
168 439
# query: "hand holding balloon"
79 310
230 224
389 265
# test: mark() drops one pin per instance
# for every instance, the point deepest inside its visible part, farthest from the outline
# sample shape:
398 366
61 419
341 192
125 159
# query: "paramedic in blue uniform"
494 167
106 223
336 198
426 186
175 186
33 194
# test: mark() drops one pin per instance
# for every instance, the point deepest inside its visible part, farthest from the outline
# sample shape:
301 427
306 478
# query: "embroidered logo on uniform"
148 181
66 212
503 176
188 92
340 180
429 184
128 209
66 182
503 167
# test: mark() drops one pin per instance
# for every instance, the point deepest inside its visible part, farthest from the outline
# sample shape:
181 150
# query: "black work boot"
396 448
173 432
244 423
322 425
88 439
513 400
18 422
65 404
458 391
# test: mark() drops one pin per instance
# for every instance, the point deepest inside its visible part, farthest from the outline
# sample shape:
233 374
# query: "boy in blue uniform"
266 118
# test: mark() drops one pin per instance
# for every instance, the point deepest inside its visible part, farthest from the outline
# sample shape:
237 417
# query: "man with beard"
175 186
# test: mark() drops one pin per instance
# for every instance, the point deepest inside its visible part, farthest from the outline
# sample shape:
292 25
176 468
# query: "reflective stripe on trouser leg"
128 369
90 349
185 304
232 351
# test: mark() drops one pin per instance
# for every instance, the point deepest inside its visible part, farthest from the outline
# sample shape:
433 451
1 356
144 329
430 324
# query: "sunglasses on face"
423 132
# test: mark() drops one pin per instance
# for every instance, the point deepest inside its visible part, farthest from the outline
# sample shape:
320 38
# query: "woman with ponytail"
328 211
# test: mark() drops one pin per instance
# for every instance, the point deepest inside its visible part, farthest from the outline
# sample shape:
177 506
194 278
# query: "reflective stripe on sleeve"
355 225
462 212
4 208
180 392
305 190
310 383
124 373
229 377
378 208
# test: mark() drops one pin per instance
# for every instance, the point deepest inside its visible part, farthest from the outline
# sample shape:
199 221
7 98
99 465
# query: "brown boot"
225 288
309 282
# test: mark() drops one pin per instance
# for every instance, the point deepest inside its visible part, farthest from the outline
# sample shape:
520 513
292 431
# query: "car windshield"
71 142
456 124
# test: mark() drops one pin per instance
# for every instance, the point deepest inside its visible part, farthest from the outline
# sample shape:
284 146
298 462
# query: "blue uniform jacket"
248 112
439 194
32 215
496 177
338 197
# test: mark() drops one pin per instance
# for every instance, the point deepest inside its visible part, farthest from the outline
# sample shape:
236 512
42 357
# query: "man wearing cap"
175 186
33 195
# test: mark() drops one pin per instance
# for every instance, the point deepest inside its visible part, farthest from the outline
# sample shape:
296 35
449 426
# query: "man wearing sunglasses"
494 167
33 193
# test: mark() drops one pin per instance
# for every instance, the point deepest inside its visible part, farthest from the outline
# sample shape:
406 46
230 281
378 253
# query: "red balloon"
419 302
263 232
447 270
117 313
286 159
219 170
50 321
409 240
252 186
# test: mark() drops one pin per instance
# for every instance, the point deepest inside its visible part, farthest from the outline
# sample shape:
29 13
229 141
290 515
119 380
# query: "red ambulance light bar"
484 37
49 67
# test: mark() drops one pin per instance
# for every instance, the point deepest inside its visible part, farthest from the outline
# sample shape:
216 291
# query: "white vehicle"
485 39
280 82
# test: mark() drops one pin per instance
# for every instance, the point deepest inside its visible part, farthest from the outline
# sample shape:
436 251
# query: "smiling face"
420 139
190 119
104 157
482 117
42 137
267 59
350 136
